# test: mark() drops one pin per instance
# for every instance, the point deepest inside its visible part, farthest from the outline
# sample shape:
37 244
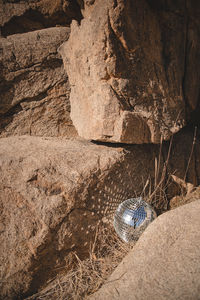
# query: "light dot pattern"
124 180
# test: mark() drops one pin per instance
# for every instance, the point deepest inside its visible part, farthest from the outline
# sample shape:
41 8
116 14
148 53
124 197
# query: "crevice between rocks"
33 19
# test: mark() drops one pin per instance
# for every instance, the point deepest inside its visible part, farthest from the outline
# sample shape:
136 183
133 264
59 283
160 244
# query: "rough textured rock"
184 199
20 16
43 205
54 191
50 184
34 87
164 264
131 69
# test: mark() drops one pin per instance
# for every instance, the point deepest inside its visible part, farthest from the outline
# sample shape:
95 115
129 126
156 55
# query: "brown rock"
53 192
164 264
20 16
34 88
129 66
181 200
11 9
44 191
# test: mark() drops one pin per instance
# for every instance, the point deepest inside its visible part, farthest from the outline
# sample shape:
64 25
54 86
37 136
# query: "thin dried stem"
191 153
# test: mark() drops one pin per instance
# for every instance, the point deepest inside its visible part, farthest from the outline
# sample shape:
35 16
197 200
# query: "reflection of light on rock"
132 217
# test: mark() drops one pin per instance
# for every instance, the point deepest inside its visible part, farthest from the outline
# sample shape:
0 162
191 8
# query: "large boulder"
34 87
131 69
164 264
53 193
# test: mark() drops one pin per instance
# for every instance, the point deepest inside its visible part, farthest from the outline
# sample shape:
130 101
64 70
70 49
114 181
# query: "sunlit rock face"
130 68
34 87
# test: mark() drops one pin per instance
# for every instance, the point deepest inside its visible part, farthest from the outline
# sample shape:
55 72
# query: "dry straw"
87 276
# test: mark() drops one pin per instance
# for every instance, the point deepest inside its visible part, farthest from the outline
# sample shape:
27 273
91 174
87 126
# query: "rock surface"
130 67
19 16
164 264
45 209
53 192
184 199
34 87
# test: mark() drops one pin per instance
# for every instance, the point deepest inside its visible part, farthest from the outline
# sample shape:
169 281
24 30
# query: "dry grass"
87 276
155 193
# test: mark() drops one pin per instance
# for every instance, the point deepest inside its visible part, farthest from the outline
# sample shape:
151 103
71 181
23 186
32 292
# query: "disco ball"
132 217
